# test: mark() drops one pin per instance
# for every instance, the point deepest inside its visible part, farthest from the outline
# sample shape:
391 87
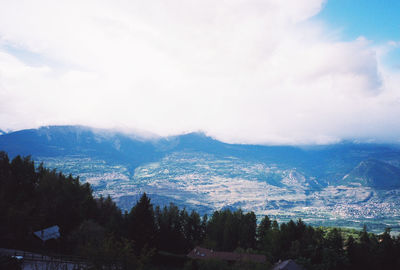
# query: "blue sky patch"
378 21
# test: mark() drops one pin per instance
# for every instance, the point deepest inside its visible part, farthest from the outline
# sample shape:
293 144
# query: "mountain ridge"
374 173
201 173
330 162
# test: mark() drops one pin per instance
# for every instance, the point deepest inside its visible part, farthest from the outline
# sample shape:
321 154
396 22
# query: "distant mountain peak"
374 173
193 134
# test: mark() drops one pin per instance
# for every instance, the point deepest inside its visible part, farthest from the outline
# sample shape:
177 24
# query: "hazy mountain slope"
199 172
329 164
374 173
56 141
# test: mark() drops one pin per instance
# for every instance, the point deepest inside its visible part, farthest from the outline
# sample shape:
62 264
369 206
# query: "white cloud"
243 71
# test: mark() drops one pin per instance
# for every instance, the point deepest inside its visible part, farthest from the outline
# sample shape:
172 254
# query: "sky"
243 71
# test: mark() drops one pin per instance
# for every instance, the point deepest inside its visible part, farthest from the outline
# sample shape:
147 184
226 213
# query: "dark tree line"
33 198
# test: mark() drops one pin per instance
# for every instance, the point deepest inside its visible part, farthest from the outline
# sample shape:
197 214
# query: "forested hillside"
151 237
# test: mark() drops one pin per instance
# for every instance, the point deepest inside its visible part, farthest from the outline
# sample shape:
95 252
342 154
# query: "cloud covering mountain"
242 71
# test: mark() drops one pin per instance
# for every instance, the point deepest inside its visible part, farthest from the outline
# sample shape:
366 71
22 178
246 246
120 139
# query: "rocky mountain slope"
345 184
375 174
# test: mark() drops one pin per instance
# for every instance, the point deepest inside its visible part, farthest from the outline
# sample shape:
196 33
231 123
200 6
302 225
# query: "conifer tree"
141 224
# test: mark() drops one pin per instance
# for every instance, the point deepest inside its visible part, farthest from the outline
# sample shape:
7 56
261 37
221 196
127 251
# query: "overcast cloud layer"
246 71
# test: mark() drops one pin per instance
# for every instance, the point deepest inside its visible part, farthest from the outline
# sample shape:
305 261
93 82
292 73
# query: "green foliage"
178 231
228 230
88 233
108 214
141 224
32 199
111 253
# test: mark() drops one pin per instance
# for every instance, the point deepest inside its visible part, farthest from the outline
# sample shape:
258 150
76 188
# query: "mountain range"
345 184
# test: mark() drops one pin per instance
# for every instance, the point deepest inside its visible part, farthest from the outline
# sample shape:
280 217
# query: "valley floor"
205 183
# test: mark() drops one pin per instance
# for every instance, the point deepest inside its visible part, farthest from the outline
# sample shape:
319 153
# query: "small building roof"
52 232
205 254
287 265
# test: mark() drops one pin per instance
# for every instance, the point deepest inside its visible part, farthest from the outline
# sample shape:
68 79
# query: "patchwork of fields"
206 182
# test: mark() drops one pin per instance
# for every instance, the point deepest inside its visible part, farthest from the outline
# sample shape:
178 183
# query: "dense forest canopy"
33 198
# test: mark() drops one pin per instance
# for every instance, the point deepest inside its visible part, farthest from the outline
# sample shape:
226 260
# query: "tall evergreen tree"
141 224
